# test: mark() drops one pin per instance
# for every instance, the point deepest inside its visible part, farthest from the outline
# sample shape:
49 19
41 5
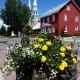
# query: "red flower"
52 36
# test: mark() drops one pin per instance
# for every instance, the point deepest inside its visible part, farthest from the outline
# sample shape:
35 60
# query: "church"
34 21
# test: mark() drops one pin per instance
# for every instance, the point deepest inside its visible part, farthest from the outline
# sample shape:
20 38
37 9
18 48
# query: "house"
65 17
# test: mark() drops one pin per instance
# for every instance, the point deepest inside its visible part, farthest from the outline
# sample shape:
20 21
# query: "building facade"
65 17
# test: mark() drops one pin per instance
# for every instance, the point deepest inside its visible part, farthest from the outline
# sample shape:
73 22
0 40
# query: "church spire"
35 10
29 4
35 3
34 13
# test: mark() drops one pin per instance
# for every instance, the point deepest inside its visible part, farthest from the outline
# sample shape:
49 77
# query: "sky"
43 5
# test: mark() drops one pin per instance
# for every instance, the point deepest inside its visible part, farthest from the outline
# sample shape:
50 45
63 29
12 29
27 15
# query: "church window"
36 12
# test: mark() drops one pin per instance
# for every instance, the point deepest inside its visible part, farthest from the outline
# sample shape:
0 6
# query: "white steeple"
34 13
29 4
35 10
35 3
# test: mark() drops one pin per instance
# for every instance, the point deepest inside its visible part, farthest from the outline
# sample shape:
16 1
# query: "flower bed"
47 55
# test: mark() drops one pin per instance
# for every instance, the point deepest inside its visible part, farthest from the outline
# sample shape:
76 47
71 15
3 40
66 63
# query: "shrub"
67 35
77 34
46 55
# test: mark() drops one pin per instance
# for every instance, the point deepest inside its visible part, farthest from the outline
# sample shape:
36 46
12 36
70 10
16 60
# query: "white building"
34 19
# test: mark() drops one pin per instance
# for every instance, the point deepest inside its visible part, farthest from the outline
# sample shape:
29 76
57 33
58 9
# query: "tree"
15 14
77 2
27 28
3 31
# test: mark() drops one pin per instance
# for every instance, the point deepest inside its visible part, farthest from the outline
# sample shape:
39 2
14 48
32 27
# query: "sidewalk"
78 70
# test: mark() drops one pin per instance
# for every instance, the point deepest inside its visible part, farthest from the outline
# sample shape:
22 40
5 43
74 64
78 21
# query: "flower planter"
46 56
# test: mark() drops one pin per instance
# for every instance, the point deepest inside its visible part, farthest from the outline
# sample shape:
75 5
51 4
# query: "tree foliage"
77 2
3 31
27 28
15 14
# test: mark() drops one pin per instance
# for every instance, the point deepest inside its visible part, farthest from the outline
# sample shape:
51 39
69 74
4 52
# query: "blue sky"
43 5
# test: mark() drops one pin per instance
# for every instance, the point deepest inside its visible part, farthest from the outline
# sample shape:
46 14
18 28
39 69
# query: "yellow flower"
62 49
72 54
68 47
74 60
35 38
65 59
61 67
36 45
64 63
49 43
44 48
40 39
62 54
43 59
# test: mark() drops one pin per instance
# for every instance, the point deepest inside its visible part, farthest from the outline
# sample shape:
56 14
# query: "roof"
37 26
55 9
